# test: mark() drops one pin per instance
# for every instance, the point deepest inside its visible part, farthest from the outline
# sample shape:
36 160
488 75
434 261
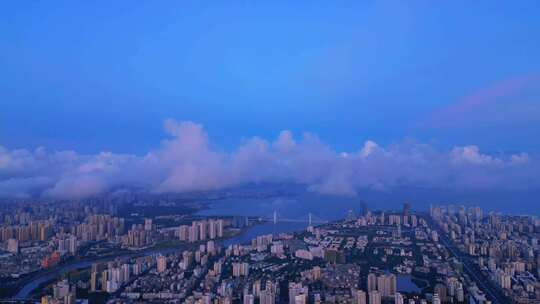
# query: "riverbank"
24 289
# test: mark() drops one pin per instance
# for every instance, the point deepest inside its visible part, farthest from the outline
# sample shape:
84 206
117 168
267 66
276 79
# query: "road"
493 292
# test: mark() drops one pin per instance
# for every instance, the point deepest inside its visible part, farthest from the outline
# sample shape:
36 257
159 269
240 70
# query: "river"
231 207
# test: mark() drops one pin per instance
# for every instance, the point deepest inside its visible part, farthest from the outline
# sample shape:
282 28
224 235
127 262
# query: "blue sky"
104 75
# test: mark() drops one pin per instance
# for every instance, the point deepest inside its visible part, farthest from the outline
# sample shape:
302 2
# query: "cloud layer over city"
186 161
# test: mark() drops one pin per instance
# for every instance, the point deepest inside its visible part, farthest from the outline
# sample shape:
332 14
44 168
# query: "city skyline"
451 254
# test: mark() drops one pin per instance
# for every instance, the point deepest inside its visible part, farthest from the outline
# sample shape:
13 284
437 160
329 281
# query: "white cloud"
369 147
186 162
472 155
521 158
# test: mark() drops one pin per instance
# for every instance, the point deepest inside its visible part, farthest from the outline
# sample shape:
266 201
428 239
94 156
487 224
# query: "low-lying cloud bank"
185 162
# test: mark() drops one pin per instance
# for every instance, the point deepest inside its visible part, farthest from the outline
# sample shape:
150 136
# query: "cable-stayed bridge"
309 218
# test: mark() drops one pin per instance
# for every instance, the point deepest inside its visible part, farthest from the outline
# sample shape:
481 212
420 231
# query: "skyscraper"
441 291
374 297
161 263
359 297
13 246
296 290
148 224
363 208
386 285
436 299
350 215
249 299
406 209
371 282
267 297
398 299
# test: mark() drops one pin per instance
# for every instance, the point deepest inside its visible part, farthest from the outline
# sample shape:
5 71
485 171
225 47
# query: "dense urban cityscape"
69 253
270 152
